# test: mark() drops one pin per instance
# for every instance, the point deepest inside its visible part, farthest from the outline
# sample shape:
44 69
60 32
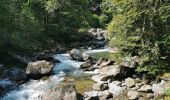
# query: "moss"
83 84
165 75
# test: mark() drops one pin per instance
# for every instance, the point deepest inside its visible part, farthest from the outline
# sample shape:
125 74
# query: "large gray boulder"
39 68
67 92
76 54
14 74
112 70
116 91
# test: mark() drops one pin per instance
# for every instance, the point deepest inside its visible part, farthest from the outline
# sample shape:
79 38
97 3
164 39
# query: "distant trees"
142 28
30 24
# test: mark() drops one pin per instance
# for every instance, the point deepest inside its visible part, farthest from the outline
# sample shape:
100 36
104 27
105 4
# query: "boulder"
101 77
116 90
106 63
129 82
87 65
118 83
39 68
85 56
112 70
100 61
158 89
76 54
145 88
67 92
104 95
14 74
100 86
132 95
150 96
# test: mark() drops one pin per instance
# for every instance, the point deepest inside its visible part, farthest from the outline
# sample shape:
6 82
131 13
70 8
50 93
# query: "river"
33 89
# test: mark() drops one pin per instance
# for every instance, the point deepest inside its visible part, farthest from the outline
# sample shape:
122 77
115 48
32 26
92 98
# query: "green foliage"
142 28
167 92
29 24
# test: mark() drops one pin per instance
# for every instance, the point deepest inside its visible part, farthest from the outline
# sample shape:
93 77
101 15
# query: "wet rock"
39 68
14 74
129 82
112 70
115 90
2 90
6 85
100 86
101 77
61 93
158 90
145 88
85 57
132 95
76 54
87 66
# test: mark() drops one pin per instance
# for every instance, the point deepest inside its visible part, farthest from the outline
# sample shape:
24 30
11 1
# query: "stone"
67 92
145 88
85 56
106 63
91 94
111 70
103 95
100 86
118 83
158 89
138 85
14 74
101 77
150 96
39 68
115 90
132 95
129 82
87 66
76 54
100 61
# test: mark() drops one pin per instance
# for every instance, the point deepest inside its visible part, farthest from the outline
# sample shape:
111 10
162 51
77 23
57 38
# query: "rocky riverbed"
80 74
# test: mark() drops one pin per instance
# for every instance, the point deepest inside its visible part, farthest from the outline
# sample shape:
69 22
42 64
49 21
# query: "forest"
137 28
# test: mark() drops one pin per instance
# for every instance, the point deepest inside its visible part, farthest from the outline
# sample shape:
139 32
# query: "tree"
141 28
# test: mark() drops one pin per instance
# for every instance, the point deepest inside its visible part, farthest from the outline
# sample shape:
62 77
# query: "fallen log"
20 58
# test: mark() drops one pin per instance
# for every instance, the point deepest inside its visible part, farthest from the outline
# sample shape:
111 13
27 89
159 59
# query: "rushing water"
33 89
